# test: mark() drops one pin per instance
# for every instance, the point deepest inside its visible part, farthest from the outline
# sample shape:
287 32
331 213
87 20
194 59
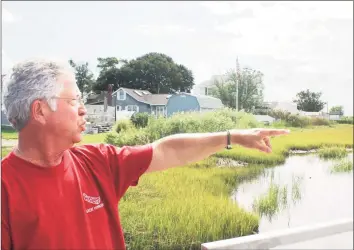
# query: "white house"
204 87
266 119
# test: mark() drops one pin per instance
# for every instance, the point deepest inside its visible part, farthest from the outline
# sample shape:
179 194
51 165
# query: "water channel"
324 196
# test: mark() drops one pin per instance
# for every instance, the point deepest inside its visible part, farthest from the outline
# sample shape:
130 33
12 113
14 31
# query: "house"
290 107
335 116
204 87
100 110
267 107
185 102
265 119
125 99
314 114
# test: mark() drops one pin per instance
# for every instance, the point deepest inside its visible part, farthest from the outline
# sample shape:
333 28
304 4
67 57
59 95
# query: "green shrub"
297 121
191 122
140 120
346 120
317 121
129 137
123 125
279 114
194 122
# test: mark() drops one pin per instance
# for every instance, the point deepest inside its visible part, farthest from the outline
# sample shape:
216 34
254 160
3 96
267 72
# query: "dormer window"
121 95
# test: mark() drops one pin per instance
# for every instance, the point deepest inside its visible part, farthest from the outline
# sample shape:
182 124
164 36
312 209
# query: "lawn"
8 133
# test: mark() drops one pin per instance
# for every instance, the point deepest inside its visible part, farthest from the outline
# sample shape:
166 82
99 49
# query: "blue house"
185 102
140 101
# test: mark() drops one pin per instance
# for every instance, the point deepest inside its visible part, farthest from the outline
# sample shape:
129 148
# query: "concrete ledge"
282 237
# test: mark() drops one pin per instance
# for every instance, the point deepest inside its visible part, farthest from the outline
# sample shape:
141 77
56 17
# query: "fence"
283 237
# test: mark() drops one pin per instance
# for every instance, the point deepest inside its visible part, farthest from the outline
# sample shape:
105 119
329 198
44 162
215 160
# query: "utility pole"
327 110
237 79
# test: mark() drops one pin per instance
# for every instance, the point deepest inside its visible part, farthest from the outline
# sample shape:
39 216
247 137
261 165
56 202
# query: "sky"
295 44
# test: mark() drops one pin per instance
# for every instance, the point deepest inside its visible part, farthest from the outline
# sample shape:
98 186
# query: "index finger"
274 132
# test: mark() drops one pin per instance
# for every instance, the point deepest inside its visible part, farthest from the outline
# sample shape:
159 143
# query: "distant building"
184 102
267 107
335 116
266 119
142 101
204 87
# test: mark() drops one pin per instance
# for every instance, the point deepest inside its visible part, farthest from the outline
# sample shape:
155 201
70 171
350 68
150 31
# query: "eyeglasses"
73 101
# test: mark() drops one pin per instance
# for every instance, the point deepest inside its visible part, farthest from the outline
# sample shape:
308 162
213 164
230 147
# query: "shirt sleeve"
127 164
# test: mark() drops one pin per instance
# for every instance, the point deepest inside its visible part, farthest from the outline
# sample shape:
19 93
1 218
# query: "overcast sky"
297 45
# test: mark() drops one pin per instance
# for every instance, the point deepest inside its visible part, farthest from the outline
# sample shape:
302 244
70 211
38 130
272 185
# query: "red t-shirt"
70 206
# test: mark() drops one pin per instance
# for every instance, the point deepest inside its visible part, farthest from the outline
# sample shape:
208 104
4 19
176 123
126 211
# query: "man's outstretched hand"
256 138
182 149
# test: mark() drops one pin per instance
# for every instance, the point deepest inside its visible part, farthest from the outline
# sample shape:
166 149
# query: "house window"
160 110
132 108
121 95
119 108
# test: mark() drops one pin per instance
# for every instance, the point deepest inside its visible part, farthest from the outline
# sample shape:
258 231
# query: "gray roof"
205 101
146 96
96 98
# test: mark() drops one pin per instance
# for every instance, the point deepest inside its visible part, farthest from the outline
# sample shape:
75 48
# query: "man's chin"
78 138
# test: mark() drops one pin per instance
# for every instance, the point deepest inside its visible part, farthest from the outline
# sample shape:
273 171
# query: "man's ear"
38 111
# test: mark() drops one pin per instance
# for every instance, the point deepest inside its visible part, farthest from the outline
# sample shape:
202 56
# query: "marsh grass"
184 207
277 198
296 189
343 166
332 152
339 138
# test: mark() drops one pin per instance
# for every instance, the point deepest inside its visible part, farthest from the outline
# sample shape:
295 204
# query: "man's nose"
82 110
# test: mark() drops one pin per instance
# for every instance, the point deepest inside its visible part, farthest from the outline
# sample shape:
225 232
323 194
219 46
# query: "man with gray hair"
56 195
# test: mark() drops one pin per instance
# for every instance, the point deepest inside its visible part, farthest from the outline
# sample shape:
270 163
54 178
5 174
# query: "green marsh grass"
277 198
184 207
332 152
296 189
343 166
302 139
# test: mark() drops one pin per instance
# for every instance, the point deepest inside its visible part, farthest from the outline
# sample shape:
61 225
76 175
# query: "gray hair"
29 81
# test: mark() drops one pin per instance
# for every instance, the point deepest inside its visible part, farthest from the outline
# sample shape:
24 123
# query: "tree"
157 73
84 77
250 89
309 101
109 73
337 110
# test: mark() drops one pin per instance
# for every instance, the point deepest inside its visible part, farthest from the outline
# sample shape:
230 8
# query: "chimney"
109 94
105 104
